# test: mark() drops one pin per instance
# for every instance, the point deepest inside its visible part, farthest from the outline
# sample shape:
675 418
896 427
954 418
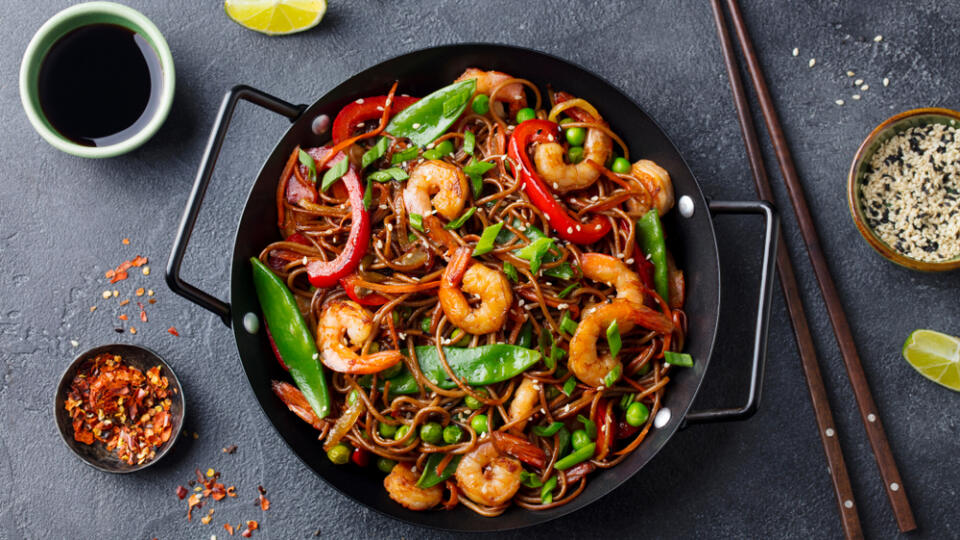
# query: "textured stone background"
62 220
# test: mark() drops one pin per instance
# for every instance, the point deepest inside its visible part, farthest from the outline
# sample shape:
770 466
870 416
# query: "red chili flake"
251 526
181 492
122 316
143 314
232 491
230 449
173 331
120 272
120 406
229 528
193 502
262 499
126 241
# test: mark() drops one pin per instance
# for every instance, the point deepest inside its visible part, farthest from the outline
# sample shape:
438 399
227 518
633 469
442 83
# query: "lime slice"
936 356
276 17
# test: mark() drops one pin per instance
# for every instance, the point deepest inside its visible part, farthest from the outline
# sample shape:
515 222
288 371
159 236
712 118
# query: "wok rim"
531 518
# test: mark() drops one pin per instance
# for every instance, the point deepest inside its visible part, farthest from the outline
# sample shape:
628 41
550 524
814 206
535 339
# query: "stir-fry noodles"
483 277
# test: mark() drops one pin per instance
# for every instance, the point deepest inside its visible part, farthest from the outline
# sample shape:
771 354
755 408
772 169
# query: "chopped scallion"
307 161
547 431
374 153
678 359
386 175
416 221
457 223
567 324
535 251
613 376
469 141
404 155
334 173
485 244
511 272
569 289
570 385
368 195
613 339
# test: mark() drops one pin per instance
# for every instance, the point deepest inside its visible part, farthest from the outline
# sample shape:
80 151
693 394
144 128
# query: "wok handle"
205 172
770 237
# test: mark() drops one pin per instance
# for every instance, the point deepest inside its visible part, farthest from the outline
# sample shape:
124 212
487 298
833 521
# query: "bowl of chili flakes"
119 407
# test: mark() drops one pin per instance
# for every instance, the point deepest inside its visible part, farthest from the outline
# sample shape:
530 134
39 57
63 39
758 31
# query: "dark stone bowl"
96 455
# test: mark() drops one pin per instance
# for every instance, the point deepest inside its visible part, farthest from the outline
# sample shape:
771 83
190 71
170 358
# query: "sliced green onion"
546 493
478 167
416 221
678 359
469 141
386 175
569 289
476 185
613 339
489 236
334 173
457 223
567 324
534 252
404 155
368 196
589 426
530 480
307 161
544 342
625 401
577 456
563 440
374 153
556 354
511 272
570 385
613 376
547 431
562 271
442 149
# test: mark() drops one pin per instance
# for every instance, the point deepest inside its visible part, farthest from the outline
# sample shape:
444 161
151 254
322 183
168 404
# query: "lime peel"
276 17
934 355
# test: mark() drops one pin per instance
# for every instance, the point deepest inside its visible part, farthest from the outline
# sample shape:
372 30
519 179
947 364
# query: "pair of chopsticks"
838 319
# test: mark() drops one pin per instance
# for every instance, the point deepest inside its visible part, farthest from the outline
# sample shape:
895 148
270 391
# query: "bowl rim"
856 212
62 430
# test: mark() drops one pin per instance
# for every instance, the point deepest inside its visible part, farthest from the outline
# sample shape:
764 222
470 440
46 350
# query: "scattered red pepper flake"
119 405
230 449
124 302
251 526
181 492
126 241
193 502
232 491
262 499
122 316
173 331
143 314
229 528
120 272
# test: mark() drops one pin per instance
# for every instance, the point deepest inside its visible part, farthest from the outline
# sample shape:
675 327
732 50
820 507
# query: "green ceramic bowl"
70 19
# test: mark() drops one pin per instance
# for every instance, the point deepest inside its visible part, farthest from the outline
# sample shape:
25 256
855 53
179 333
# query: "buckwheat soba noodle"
483 277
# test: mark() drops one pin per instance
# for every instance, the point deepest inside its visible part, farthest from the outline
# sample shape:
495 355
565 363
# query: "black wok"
691 239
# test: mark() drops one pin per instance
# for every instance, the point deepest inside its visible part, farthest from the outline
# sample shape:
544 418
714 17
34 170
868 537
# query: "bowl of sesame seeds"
904 189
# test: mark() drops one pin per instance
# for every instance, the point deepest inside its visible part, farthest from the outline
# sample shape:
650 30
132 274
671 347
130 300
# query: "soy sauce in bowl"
100 84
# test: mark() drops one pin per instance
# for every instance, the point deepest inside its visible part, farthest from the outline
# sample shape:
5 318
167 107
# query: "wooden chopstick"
842 489
869 414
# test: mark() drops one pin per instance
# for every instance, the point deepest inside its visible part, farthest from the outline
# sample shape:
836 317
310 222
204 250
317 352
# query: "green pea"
473 402
575 154
525 114
481 104
580 439
452 434
339 454
431 432
479 423
620 165
387 431
401 432
385 465
576 136
425 324
637 414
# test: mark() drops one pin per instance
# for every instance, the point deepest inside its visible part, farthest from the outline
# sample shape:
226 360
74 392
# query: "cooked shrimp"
488 477
345 317
463 275
614 272
584 361
656 180
401 486
511 94
293 398
562 176
446 183
525 398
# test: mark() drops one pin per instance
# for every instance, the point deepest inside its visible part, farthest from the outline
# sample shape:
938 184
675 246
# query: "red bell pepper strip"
605 428
372 299
327 273
362 110
566 226
276 352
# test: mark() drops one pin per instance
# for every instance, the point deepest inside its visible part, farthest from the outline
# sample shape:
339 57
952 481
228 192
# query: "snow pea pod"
650 233
293 339
478 366
430 478
433 115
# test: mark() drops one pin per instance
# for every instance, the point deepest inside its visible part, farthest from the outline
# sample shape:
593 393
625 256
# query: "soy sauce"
100 84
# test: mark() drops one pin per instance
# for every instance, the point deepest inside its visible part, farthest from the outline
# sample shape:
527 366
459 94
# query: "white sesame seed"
630 260
850 74
556 185
579 228
383 207
855 96
569 230
520 302
878 38
812 62
379 108
389 226
858 82
415 126
865 87
360 125
562 306
359 101
839 102
74 343
886 81
619 255
796 51
304 261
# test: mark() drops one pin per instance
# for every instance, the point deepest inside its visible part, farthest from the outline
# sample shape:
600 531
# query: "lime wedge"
936 356
276 17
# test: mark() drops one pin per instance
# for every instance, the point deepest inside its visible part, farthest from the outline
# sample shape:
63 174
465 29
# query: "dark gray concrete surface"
62 220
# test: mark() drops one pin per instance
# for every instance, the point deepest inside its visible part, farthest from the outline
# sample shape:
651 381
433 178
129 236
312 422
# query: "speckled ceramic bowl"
96 455
858 171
